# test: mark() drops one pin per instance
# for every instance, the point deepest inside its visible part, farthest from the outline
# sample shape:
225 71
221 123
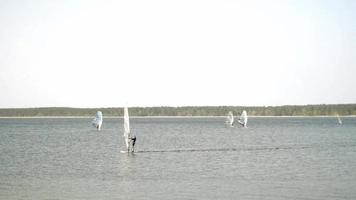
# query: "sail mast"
339 119
126 127
243 118
231 117
98 120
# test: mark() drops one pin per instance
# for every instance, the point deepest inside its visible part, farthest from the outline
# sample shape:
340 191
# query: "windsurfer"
133 140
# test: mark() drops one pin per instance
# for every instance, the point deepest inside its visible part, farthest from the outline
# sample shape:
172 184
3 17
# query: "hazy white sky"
82 53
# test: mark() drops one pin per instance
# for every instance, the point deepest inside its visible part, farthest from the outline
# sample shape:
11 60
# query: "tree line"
288 110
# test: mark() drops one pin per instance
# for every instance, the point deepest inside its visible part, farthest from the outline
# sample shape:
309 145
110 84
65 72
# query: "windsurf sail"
98 120
243 118
127 134
230 119
339 119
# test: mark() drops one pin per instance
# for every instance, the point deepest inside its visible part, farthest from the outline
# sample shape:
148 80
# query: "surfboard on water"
127 152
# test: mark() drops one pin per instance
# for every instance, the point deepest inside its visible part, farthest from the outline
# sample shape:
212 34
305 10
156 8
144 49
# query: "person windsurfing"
133 140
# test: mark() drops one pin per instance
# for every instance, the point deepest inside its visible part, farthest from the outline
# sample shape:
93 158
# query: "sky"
85 53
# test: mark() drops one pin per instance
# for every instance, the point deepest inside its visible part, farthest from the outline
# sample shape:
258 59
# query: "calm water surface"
178 158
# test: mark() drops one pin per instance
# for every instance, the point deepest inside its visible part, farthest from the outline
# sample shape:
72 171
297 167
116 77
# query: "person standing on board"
133 140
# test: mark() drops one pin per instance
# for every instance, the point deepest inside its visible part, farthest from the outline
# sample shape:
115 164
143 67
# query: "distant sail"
98 120
243 118
339 119
230 119
127 134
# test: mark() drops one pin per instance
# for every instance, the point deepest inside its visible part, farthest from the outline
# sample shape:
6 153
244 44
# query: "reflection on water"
178 158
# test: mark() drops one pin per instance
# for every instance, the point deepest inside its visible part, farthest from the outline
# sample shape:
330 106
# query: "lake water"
178 158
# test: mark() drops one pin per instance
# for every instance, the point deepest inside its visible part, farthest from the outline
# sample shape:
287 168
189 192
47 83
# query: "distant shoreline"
188 111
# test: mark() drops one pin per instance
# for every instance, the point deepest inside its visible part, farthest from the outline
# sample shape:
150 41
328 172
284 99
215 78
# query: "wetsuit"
133 143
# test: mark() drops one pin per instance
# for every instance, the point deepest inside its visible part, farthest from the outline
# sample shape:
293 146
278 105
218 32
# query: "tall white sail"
127 134
230 119
98 120
339 119
243 118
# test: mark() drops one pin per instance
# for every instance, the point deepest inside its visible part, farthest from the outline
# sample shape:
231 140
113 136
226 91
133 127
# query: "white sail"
230 119
339 119
243 118
98 120
127 134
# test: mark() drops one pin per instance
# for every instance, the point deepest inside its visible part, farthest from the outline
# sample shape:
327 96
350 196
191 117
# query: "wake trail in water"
222 149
